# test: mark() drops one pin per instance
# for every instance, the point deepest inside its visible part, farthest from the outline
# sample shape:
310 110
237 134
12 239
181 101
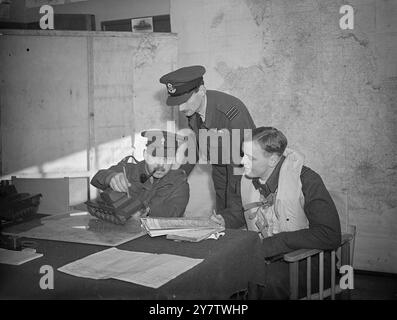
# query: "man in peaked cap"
210 109
168 189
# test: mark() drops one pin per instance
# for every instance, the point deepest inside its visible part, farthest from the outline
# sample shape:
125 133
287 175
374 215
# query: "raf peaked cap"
181 83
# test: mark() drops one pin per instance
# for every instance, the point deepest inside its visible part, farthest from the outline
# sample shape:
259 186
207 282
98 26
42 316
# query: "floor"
374 286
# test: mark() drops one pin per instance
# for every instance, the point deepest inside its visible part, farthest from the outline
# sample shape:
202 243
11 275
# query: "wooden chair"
346 251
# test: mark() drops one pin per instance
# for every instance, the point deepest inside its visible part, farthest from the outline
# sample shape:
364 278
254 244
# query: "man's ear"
274 158
145 155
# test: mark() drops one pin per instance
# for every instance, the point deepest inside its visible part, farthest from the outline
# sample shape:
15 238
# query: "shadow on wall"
202 192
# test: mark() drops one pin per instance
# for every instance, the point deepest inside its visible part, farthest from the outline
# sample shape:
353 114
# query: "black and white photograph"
142 25
213 152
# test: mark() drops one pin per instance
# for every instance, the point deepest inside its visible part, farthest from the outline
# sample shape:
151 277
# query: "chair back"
345 254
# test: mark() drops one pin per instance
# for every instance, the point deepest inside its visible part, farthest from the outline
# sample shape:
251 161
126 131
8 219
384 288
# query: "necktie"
196 123
267 197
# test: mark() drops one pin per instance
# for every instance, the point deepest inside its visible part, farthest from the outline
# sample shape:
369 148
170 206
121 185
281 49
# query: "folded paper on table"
17 258
195 235
190 229
146 269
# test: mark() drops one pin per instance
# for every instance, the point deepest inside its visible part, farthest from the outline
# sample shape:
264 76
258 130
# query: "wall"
43 103
16 11
73 102
332 92
102 9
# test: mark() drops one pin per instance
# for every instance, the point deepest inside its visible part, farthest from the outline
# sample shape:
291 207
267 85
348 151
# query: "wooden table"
230 263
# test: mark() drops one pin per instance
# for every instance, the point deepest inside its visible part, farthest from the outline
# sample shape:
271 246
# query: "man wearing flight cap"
153 178
210 109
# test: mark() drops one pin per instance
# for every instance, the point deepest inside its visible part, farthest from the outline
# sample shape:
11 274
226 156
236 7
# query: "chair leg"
294 280
309 278
333 275
321 275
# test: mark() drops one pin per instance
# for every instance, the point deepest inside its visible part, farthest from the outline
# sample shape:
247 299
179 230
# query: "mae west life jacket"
282 210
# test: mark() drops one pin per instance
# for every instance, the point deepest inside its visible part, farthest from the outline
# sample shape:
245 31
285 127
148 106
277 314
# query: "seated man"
288 204
161 191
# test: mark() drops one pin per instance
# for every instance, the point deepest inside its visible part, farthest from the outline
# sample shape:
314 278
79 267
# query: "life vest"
282 210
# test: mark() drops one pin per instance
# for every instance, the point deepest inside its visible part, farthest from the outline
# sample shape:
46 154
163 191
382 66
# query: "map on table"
78 227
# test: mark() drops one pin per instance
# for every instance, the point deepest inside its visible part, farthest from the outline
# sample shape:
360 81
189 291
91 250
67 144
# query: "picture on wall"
142 24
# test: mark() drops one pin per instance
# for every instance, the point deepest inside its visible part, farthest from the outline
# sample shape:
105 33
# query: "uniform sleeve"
233 214
175 204
188 168
102 178
241 121
324 226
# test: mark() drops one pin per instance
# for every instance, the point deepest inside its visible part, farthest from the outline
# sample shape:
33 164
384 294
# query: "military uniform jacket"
171 191
223 111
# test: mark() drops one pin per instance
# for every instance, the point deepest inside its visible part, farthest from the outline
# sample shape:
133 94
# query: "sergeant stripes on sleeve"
232 113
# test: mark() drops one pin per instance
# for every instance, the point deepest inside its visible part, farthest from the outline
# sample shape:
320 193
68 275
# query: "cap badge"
170 88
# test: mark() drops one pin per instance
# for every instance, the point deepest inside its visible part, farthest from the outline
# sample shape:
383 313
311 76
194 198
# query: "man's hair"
270 139
196 89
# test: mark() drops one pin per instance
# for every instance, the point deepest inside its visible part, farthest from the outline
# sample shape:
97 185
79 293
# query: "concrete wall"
44 99
331 91
73 102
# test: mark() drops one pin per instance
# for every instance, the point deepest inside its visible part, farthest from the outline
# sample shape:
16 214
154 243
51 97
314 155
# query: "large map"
332 92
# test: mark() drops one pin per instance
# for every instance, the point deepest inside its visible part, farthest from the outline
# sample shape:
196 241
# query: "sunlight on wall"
110 153
60 167
107 154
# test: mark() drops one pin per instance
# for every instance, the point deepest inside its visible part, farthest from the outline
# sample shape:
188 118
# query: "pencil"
125 176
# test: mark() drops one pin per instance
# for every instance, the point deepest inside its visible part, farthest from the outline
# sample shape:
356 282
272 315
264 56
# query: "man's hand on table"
140 214
217 218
